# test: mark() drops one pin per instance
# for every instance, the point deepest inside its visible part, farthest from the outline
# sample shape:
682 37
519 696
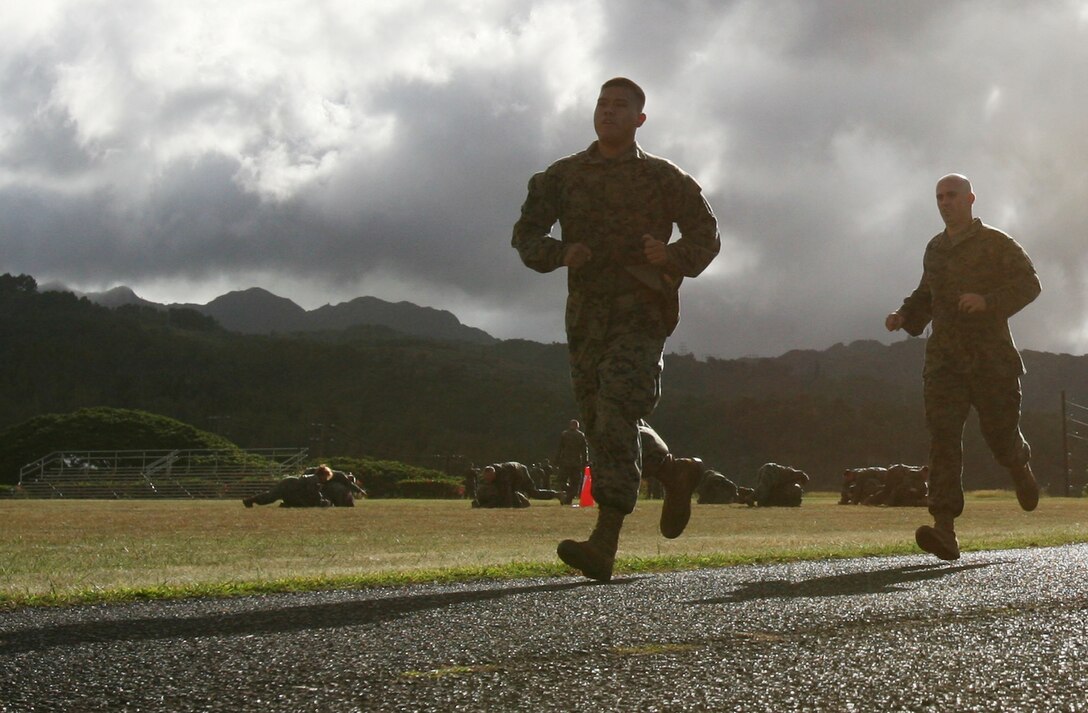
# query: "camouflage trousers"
949 397
616 374
570 479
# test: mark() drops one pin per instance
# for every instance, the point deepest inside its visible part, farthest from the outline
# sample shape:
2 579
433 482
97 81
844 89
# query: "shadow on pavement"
269 620
839 585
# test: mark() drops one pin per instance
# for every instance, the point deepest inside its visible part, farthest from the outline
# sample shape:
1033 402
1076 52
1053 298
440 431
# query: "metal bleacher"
158 473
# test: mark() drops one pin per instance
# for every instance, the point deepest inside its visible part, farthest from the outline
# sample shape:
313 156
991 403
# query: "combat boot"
596 556
939 539
679 477
1027 489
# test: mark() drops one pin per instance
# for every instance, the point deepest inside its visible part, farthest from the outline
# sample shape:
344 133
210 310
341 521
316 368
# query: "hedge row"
393 479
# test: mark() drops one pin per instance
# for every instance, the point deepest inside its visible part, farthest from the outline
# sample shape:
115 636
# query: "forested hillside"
373 392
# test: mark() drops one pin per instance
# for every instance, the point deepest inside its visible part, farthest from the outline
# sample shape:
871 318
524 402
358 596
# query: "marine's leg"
679 477
626 371
947 402
997 400
524 483
271 495
617 382
571 481
596 556
538 493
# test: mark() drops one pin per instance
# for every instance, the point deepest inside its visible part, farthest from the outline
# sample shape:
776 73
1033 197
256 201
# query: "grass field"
67 551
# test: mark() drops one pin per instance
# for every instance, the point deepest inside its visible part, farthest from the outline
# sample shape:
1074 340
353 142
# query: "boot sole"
574 555
673 524
1028 497
928 540
676 513
1030 504
1027 490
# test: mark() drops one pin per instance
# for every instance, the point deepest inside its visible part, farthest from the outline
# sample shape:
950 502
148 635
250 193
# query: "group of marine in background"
895 486
513 485
782 486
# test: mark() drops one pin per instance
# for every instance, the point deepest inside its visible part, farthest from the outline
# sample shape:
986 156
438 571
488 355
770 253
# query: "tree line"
378 394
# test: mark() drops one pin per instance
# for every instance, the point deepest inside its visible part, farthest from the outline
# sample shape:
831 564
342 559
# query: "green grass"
61 552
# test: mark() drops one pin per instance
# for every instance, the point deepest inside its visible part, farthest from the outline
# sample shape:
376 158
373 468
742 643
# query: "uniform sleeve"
532 233
1022 286
699 241
917 309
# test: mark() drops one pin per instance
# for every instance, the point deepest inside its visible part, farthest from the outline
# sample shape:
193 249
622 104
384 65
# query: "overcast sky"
330 150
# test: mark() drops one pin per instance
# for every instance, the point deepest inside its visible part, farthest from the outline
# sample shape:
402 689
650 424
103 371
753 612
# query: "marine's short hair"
625 83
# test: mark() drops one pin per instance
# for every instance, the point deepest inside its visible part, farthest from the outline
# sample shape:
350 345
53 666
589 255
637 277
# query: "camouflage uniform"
867 483
342 489
571 458
779 486
521 482
620 309
498 492
716 489
908 486
295 492
971 359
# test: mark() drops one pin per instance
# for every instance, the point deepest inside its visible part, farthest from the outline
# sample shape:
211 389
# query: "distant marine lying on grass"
320 486
897 485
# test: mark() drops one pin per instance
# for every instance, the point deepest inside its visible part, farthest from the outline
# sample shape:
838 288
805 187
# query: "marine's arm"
915 312
532 232
699 241
1022 286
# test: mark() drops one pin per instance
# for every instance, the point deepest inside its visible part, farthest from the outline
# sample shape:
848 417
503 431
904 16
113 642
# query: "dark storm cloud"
348 151
43 141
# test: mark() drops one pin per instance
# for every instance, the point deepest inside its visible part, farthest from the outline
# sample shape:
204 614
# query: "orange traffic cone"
586 498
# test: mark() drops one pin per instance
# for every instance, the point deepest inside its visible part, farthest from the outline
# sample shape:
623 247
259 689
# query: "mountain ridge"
256 310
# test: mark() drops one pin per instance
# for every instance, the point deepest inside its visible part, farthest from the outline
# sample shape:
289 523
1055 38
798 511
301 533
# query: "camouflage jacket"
984 261
518 474
496 493
715 488
573 449
772 476
302 492
609 204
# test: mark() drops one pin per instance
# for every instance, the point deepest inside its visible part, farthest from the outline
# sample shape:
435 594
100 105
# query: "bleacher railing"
158 473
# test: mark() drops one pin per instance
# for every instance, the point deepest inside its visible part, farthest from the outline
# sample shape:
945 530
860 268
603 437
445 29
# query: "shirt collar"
593 153
972 231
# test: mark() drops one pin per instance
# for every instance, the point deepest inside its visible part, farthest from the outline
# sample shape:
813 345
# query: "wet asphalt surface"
1002 630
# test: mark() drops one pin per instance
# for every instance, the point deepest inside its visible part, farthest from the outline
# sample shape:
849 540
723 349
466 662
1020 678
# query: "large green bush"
446 489
97 429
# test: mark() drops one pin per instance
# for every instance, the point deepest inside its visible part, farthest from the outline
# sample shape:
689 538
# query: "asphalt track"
995 631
